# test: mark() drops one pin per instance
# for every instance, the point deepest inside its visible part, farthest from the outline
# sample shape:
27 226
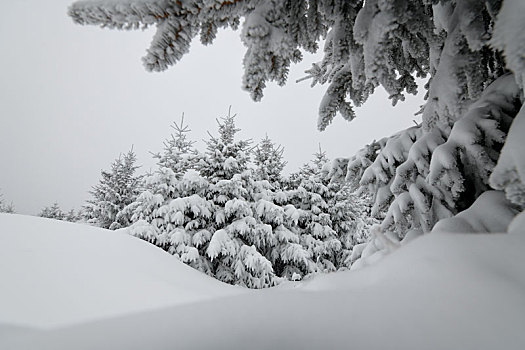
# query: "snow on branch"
130 14
467 159
509 173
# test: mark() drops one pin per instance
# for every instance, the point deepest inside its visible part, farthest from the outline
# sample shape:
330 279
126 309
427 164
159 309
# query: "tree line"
229 211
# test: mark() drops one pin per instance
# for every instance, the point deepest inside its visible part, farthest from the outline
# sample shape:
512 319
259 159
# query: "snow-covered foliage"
509 37
179 154
420 177
52 212
333 219
243 224
367 44
177 220
509 173
5 207
55 212
224 157
470 51
118 188
268 160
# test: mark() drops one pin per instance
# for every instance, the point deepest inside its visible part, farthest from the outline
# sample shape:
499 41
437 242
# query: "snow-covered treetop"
5 208
116 189
224 156
227 129
268 159
367 44
179 153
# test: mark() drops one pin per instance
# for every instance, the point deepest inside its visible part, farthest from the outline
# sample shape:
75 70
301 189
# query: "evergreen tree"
53 212
312 168
179 154
163 185
315 198
280 235
182 222
6 208
235 245
224 157
72 216
118 188
268 160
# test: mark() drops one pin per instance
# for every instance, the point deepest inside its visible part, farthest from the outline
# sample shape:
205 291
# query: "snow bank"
440 291
55 273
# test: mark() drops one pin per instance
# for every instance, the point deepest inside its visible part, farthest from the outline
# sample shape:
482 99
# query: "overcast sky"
72 98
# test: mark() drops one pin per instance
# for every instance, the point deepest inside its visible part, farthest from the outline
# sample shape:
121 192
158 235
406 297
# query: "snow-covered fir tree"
181 221
235 246
313 196
280 238
53 212
72 216
163 185
311 168
224 156
117 188
269 162
179 153
6 207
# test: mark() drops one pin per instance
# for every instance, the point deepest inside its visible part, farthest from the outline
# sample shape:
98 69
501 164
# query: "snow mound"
440 291
55 273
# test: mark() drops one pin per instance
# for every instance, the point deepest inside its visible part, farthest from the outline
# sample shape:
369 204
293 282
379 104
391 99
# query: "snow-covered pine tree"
238 245
173 212
179 153
312 198
53 212
311 168
72 216
279 238
350 214
182 224
224 156
234 245
177 157
4 207
118 188
269 162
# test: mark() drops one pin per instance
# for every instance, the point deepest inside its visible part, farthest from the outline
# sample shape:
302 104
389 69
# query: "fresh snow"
88 288
54 274
491 212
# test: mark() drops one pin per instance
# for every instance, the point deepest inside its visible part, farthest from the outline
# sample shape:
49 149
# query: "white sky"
72 98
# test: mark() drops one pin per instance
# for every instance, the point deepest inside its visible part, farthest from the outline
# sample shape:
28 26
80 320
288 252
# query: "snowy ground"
65 286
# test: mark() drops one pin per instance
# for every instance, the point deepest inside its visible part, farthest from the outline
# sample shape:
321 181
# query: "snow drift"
54 273
440 291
